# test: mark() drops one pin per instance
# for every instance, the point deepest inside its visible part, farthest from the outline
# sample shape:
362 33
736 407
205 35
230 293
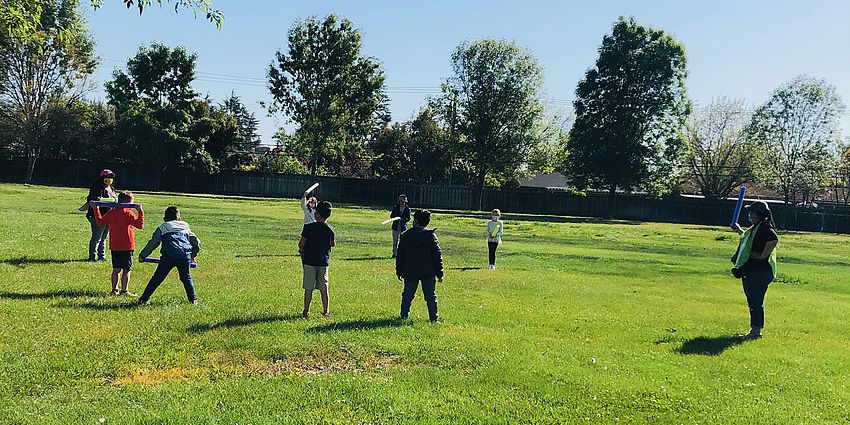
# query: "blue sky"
739 49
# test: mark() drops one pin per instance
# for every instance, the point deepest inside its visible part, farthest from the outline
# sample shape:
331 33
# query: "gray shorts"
315 277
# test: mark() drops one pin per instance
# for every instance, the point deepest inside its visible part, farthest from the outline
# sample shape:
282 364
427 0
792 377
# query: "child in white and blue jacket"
179 247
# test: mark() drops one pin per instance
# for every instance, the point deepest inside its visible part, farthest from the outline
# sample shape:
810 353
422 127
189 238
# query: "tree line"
633 127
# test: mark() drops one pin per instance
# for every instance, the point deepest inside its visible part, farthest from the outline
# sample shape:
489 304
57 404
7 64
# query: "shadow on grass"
242 321
463 269
23 261
366 258
64 293
711 346
549 218
360 325
266 255
101 306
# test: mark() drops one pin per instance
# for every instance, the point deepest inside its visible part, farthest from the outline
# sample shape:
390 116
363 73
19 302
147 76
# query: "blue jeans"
755 284
396 235
429 291
97 242
162 270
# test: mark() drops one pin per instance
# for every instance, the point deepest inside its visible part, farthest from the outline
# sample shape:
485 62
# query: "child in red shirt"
122 242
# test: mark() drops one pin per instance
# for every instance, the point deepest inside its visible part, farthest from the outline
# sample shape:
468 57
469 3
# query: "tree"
390 149
493 99
796 132
324 84
718 155
841 181
39 78
415 150
246 121
630 110
161 121
280 163
21 19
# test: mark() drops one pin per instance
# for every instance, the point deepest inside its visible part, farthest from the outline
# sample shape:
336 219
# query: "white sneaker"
491 267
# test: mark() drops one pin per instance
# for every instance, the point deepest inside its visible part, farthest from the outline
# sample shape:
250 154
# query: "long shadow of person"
236 322
359 325
21 262
62 293
711 346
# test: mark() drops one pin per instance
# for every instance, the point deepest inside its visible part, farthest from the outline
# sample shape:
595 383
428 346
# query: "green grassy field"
583 322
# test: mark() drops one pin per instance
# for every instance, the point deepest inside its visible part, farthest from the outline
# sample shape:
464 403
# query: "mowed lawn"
583 322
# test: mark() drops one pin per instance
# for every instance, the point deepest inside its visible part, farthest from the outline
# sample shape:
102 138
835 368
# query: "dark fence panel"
834 219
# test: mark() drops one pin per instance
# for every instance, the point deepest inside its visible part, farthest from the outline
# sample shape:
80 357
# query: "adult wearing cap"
101 188
755 261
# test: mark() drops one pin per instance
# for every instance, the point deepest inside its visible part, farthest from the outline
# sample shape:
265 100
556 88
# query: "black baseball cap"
760 207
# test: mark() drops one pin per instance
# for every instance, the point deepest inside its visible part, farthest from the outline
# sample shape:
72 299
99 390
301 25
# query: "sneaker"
144 302
305 314
129 294
115 292
101 258
194 302
326 314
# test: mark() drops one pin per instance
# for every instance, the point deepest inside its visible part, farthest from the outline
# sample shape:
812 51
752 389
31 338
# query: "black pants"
163 269
429 291
755 284
492 248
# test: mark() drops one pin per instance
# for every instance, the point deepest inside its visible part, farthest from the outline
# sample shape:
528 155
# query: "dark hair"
768 217
125 197
324 209
422 217
171 213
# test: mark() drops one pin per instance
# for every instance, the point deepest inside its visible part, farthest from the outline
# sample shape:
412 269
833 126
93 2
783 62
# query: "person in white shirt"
495 227
308 205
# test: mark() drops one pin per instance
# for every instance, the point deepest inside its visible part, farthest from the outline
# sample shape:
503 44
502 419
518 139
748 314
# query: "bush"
283 164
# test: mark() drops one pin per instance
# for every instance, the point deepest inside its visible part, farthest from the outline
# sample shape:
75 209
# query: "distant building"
549 181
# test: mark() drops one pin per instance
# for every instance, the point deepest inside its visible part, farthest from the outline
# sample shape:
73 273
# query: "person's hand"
306 194
139 208
92 204
399 278
141 259
737 227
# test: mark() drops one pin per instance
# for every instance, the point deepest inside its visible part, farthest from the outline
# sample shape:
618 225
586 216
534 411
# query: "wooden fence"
834 219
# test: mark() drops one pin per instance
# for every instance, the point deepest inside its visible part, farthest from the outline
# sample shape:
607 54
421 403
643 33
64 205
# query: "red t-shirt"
121 222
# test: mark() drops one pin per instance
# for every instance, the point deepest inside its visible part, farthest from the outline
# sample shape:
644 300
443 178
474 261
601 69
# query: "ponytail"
769 219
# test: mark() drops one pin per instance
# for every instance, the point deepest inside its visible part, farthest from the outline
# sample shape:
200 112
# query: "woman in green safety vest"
755 261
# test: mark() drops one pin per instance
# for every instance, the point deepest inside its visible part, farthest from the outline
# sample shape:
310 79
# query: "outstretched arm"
156 239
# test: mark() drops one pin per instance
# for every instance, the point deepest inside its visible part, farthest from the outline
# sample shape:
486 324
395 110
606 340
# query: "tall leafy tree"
841 181
493 101
245 120
44 75
719 156
391 150
796 132
21 19
160 118
630 109
326 86
415 150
